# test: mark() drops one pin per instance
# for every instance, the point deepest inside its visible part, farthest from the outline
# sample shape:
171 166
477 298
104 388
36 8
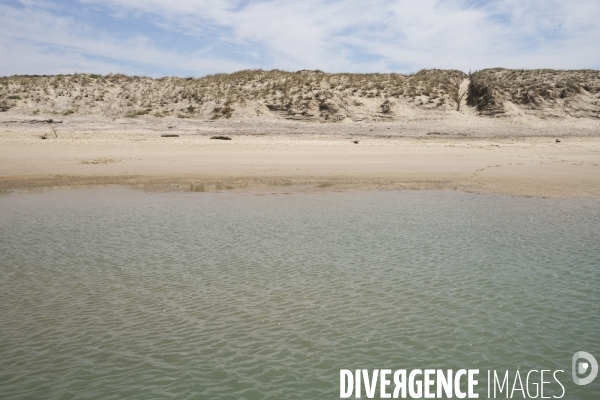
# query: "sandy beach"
466 153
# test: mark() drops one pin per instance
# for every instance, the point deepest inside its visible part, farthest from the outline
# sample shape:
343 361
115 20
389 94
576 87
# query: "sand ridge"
312 95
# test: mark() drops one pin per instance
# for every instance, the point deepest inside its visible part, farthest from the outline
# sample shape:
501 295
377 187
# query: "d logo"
583 366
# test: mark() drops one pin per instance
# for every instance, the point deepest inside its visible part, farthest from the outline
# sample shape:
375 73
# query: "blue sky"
199 37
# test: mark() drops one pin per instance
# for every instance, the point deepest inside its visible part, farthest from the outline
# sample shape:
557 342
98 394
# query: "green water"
114 293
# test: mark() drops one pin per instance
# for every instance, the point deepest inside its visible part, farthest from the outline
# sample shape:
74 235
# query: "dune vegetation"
311 95
542 92
307 95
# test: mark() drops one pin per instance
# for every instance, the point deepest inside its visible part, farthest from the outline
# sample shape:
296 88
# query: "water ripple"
115 293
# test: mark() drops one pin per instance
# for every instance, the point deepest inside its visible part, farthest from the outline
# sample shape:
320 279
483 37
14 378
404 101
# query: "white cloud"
42 42
332 35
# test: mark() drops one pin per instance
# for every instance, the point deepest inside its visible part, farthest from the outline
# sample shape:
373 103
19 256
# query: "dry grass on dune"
308 95
556 93
311 95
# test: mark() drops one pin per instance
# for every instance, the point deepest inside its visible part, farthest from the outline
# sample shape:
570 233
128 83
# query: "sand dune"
543 94
311 95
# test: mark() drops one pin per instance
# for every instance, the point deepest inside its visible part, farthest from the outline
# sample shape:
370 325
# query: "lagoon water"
113 293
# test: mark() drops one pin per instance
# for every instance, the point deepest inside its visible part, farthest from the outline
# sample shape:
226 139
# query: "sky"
199 37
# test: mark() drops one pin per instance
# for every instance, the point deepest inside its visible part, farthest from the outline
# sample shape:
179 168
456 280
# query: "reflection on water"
115 293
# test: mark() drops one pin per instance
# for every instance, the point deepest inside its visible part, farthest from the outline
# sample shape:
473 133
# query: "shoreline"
510 187
323 156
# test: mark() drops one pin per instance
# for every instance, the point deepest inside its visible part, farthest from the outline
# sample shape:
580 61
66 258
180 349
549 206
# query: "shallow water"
115 293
